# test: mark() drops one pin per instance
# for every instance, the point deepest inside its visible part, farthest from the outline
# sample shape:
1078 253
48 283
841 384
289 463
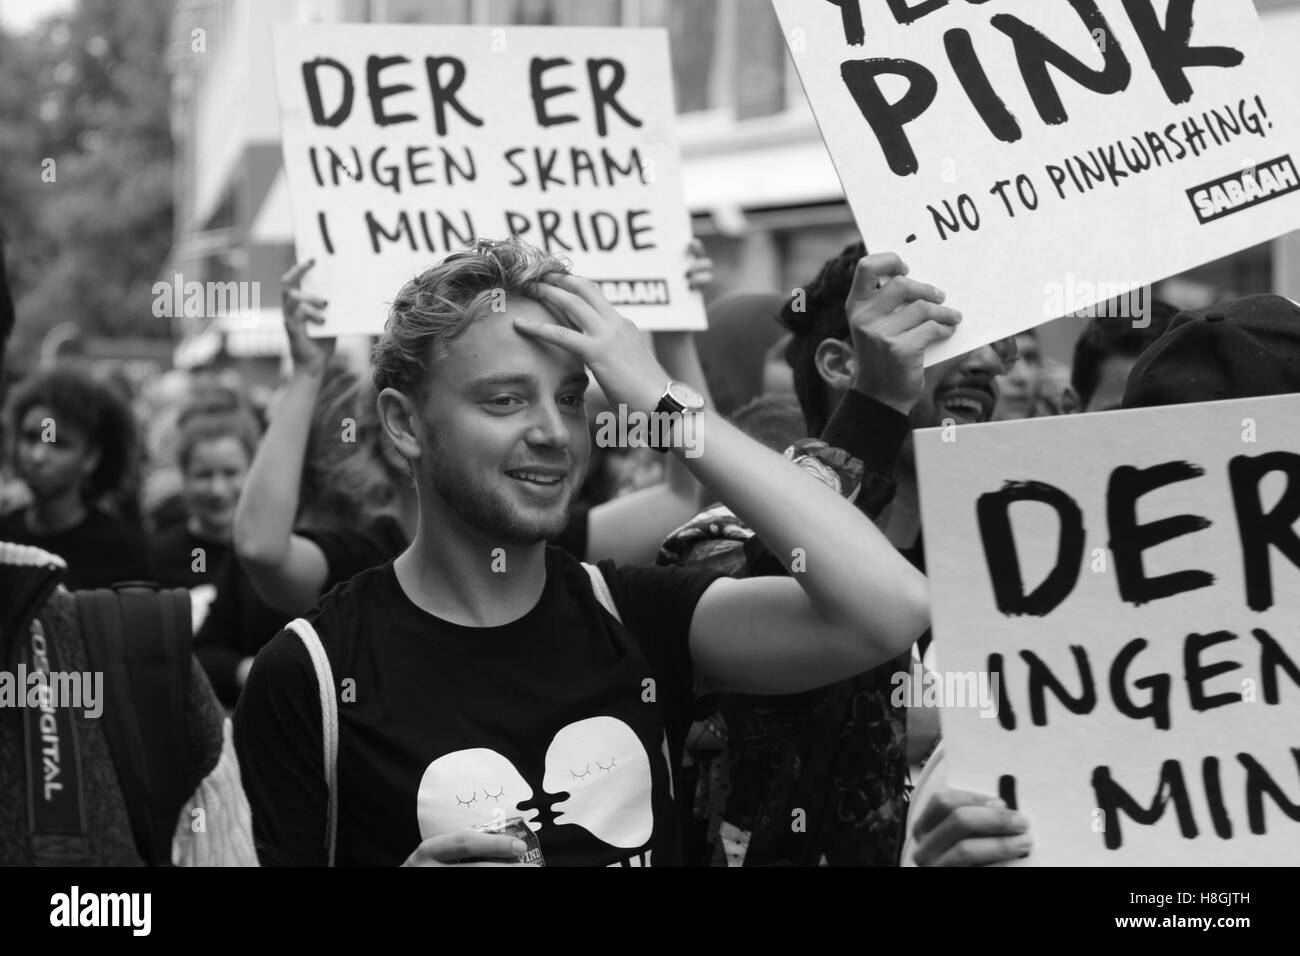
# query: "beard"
488 510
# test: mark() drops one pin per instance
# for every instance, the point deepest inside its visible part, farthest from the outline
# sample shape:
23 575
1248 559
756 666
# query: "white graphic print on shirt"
606 771
599 762
463 789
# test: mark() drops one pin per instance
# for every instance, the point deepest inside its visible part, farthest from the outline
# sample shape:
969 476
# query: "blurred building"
761 188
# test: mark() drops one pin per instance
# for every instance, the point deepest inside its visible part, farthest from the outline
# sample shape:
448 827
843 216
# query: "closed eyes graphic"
604 771
469 787
598 765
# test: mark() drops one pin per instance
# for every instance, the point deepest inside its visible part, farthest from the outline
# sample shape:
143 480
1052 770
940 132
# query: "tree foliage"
89 91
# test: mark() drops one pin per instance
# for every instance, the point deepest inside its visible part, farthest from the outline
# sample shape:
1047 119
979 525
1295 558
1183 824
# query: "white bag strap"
329 719
601 588
606 598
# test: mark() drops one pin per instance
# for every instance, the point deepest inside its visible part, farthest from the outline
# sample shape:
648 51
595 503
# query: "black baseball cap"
1241 348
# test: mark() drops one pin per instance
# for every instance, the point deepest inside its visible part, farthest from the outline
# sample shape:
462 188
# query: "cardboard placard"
402 144
1040 159
1129 583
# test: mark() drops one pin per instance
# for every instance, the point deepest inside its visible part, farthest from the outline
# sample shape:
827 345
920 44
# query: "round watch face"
685 396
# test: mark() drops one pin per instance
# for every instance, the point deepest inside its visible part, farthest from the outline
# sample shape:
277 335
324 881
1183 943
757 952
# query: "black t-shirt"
350 551
100 551
564 717
174 562
231 621
180 559
238 625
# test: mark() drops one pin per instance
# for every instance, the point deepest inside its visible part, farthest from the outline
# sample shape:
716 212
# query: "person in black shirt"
237 625
231 623
73 441
292 567
482 675
213 452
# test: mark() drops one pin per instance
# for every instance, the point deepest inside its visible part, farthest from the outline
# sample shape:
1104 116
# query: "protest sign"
1130 584
1041 159
402 144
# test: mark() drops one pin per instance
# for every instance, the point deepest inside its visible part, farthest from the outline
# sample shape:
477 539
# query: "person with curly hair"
73 441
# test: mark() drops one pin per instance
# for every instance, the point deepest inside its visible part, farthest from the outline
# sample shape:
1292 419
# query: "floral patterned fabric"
814 777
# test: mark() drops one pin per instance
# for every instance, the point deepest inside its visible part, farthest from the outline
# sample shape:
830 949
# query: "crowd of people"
427 600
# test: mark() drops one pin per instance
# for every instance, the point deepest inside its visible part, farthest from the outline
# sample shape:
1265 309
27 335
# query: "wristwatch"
678 399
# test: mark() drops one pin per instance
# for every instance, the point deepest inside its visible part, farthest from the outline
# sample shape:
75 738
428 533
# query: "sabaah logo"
1244 189
75 909
635 291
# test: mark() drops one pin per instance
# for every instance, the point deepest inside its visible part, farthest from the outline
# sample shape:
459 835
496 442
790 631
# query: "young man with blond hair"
482 675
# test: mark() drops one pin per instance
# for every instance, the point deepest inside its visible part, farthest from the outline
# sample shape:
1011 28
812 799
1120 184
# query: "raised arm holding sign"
1061 135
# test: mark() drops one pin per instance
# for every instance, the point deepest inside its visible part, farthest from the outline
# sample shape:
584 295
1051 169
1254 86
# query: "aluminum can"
516 827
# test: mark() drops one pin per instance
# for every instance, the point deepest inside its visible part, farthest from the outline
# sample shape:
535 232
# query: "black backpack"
138 636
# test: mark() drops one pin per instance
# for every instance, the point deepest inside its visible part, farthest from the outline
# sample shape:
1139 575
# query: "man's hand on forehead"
537 293
605 341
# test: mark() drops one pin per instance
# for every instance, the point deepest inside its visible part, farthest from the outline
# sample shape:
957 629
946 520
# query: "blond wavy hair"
439 305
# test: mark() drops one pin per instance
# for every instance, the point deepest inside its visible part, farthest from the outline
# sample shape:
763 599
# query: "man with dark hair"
840 754
1106 351
836 369
482 675
822 359
76 805
73 440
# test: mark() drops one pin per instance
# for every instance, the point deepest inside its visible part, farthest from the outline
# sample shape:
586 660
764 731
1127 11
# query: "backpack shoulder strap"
138 638
159 629
329 718
601 589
